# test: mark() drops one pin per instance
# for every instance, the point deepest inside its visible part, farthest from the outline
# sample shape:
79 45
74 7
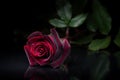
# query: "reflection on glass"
45 73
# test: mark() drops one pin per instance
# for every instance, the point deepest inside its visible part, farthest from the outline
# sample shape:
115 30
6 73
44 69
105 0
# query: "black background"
18 19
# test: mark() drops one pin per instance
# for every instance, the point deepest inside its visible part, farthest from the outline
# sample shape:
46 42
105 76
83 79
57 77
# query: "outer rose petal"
35 39
57 41
31 60
63 56
34 34
56 36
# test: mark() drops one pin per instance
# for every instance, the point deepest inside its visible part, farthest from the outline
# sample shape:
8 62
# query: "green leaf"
78 20
91 23
58 23
65 12
99 19
84 40
117 39
117 56
100 67
98 44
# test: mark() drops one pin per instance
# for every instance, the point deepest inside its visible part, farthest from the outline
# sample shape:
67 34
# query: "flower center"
41 50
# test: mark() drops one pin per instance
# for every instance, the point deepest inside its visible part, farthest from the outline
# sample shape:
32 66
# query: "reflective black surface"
45 73
15 66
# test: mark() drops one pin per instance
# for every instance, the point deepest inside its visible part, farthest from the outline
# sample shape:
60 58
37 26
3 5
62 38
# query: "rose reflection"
45 73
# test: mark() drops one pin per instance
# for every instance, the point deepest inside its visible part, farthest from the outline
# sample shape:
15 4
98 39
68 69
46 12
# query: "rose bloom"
46 49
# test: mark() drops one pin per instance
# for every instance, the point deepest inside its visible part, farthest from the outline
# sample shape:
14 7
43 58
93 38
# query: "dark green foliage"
84 39
98 44
92 30
66 20
99 19
77 20
65 12
117 39
58 23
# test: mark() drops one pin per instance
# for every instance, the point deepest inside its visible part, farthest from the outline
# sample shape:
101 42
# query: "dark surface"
16 25
13 65
17 21
46 73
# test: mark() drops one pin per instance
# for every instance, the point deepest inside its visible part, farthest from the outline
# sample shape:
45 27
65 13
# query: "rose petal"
36 33
49 39
63 56
43 62
31 60
34 61
56 36
59 48
35 39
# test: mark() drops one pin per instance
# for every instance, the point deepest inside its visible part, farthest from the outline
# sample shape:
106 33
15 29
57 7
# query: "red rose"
46 49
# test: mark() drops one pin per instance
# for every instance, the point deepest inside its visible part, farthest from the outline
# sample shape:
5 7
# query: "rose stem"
67 32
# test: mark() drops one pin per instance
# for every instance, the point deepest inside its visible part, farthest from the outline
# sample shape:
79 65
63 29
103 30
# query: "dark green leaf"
65 12
58 23
92 23
99 19
117 39
117 56
98 44
100 67
78 20
84 40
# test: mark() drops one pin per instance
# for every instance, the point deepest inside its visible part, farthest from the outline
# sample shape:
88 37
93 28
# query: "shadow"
45 73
